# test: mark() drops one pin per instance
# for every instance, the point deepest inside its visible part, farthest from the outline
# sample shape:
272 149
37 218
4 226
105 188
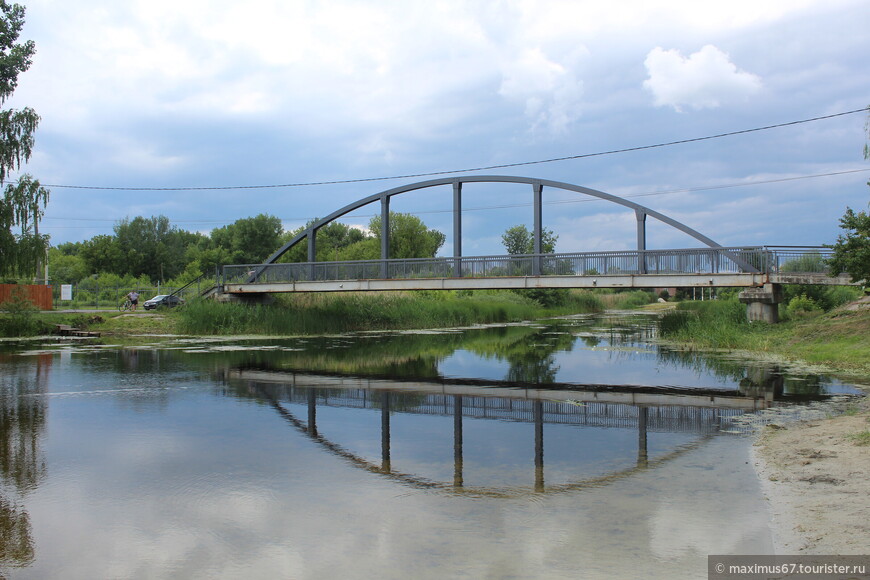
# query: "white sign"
66 291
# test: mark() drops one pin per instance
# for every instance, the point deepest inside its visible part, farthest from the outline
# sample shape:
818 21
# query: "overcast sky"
213 93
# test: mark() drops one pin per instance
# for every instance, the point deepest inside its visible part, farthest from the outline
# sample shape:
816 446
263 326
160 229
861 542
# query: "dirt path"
816 477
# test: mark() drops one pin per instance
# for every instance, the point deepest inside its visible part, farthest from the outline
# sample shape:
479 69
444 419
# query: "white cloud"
550 91
706 79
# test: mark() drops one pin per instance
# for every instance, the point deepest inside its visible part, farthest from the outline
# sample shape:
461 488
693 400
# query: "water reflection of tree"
750 375
16 541
528 349
406 355
22 466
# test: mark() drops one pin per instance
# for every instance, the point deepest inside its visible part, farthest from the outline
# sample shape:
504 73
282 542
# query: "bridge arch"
641 212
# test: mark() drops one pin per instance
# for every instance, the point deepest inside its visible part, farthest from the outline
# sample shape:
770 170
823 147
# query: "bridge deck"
705 267
578 394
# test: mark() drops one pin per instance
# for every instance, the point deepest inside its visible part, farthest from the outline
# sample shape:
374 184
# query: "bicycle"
126 305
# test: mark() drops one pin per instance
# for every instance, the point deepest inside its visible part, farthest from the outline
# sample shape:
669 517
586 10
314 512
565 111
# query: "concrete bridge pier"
762 304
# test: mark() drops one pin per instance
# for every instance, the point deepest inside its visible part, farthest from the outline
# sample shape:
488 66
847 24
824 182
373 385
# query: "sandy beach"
816 478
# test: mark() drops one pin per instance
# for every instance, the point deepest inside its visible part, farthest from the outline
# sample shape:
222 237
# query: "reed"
711 324
336 313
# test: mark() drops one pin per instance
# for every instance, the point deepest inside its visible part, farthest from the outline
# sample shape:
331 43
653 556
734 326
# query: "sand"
816 478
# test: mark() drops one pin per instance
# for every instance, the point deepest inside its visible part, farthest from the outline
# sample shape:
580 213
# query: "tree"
518 240
21 208
852 250
249 240
151 246
66 268
334 241
409 237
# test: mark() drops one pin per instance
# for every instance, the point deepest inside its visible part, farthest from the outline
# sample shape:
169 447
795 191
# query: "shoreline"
816 481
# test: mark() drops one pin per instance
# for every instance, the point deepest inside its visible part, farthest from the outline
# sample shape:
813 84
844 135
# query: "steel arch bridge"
641 212
757 268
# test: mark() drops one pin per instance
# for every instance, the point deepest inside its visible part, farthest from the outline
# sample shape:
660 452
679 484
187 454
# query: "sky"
220 93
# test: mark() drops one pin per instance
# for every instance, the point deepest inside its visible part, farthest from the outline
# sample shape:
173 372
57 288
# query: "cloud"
550 91
706 79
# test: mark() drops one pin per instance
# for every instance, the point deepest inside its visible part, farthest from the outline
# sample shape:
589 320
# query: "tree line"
152 249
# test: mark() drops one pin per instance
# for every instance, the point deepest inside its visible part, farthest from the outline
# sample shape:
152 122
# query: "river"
569 448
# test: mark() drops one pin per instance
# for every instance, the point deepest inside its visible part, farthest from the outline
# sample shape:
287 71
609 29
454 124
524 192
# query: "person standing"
134 299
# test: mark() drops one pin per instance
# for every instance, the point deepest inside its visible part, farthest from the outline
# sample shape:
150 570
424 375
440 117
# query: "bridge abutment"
762 304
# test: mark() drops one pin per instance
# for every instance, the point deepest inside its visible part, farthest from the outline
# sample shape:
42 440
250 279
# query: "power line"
509 206
467 170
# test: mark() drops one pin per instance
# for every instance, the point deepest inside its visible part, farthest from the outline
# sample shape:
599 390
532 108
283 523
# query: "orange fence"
39 295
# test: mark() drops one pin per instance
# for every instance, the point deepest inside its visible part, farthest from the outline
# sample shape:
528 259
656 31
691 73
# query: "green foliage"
584 301
249 240
22 204
319 314
852 250
825 297
676 321
518 240
151 247
809 262
102 254
409 237
633 299
801 306
21 209
547 297
861 438
338 242
711 323
66 268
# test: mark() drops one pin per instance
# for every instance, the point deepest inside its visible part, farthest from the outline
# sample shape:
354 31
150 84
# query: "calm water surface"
562 449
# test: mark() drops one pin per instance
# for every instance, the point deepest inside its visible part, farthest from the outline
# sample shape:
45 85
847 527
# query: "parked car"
167 300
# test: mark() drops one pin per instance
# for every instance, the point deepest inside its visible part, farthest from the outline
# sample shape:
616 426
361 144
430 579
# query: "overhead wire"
515 205
466 170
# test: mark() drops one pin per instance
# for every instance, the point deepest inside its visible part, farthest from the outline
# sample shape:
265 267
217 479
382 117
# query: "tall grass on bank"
627 300
335 313
710 324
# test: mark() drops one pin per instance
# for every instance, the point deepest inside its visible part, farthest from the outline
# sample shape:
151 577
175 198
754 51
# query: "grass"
838 339
861 438
315 314
348 312
626 300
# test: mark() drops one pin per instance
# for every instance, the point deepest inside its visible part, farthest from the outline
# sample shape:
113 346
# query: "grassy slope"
839 339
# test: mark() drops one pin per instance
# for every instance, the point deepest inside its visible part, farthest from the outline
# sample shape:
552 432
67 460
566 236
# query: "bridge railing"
764 259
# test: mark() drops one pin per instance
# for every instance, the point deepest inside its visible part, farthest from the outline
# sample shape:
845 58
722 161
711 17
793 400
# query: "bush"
19 319
635 299
825 297
802 306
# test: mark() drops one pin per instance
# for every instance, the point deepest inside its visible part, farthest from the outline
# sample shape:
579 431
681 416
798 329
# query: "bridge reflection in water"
699 412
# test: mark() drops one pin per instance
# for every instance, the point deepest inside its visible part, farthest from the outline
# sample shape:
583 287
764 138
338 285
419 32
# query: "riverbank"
815 474
311 314
816 478
838 341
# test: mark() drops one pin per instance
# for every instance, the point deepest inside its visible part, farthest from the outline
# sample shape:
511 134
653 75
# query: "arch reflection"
297 395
